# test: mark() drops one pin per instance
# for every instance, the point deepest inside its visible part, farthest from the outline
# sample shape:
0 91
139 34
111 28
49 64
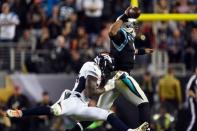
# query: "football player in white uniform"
90 82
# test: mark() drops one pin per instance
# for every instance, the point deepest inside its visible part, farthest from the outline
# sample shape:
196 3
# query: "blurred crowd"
69 32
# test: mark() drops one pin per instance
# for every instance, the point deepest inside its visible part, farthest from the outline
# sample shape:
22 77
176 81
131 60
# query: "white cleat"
143 127
14 113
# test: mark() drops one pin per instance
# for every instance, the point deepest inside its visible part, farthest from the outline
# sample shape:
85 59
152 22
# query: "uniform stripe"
193 114
189 84
80 126
120 48
190 81
129 84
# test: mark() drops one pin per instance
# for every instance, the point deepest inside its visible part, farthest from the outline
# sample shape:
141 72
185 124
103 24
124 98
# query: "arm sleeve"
16 20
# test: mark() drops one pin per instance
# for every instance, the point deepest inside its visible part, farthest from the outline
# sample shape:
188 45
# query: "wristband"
141 51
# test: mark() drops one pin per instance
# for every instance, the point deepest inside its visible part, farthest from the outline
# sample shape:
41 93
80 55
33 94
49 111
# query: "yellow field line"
167 17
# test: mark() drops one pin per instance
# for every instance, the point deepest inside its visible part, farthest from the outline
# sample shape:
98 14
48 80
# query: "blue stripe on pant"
129 84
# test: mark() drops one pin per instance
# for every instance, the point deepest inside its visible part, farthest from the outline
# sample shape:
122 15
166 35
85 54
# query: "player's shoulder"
88 64
91 67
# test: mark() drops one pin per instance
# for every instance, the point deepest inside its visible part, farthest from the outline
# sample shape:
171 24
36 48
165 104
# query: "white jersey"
73 104
8 24
89 68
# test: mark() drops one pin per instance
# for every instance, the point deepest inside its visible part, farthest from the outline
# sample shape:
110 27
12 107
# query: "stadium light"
164 17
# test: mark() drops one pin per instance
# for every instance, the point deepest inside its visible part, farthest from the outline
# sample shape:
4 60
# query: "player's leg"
41 110
192 108
130 89
77 108
94 113
105 101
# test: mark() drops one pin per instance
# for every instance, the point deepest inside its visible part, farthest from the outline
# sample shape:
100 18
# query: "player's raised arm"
130 12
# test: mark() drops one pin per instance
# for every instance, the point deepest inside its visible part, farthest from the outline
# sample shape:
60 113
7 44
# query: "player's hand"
191 94
133 12
149 51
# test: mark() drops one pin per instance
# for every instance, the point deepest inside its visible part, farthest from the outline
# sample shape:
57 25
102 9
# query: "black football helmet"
105 62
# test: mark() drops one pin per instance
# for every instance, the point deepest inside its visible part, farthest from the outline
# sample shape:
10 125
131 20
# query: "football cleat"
143 127
14 113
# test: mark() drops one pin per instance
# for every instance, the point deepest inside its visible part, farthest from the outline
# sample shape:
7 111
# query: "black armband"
141 51
123 17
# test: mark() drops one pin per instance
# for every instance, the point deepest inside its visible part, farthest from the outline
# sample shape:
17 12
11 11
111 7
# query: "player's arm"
190 87
92 88
143 51
130 12
116 26
191 94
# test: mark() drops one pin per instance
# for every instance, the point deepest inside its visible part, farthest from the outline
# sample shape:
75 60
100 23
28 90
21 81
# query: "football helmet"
105 63
130 26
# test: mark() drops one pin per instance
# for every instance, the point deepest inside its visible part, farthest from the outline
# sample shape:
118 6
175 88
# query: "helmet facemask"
131 26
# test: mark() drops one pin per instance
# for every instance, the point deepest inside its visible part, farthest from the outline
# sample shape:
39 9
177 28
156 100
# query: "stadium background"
55 37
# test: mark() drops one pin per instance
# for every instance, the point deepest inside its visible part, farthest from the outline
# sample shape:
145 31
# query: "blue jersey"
123 50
